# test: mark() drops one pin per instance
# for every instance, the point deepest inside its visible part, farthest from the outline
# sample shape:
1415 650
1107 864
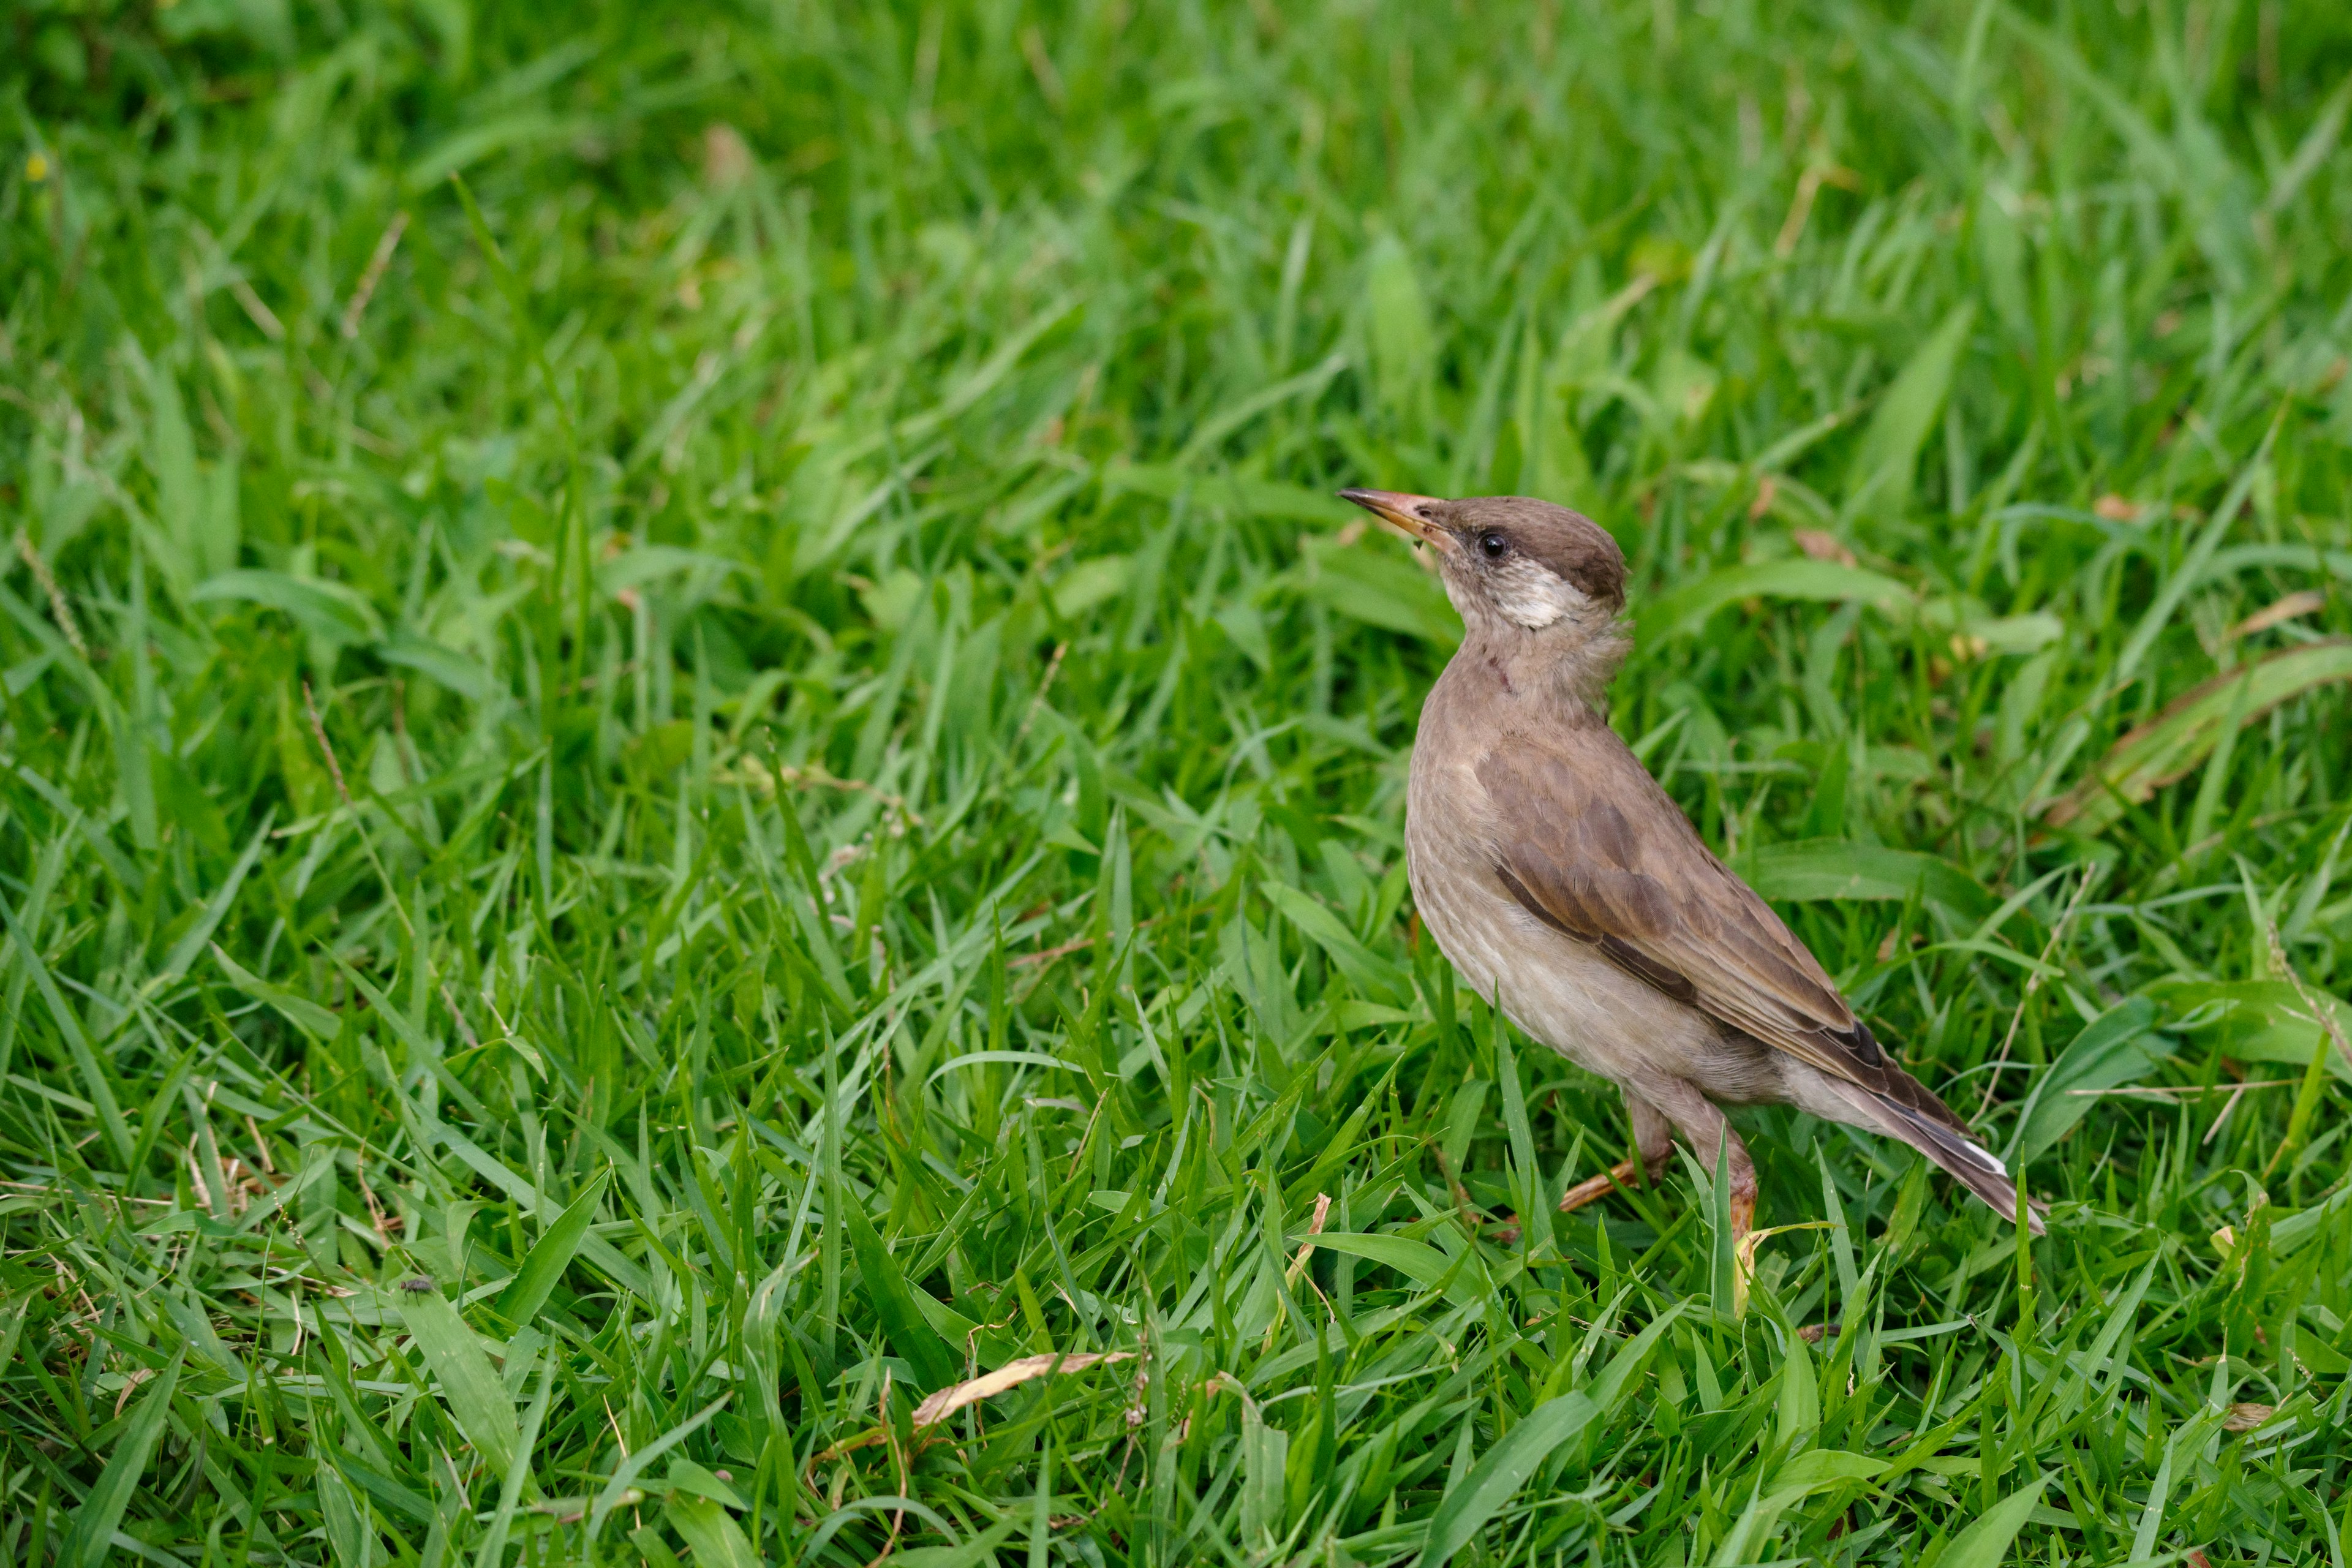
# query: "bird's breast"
1559 990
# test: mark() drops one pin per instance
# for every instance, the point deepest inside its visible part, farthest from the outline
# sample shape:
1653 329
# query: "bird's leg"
1654 1135
1653 1142
1711 1137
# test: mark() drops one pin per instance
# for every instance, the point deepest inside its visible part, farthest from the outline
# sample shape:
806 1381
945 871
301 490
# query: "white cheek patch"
1532 596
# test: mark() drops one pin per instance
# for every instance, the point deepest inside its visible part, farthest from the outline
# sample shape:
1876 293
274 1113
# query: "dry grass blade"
2293 606
1313 1228
2168 747
380 258
937 1408
2316 1010
58 607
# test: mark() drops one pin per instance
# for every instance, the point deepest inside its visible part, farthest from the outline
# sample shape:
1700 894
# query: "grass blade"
94 1522
1889 449
909 1333
550 1255
1498 1474
1984 1544
470 1387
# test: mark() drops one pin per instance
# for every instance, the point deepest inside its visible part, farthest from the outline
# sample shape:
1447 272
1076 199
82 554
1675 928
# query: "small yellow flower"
36 168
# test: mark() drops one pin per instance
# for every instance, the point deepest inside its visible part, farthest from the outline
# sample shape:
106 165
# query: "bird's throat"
1564 667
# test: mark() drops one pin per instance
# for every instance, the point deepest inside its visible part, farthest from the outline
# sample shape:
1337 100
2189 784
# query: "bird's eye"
1493 544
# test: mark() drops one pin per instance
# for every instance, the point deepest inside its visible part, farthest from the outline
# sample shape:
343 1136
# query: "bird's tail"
1971 1163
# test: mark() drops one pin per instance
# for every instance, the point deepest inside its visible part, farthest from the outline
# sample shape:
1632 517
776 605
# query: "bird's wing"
1589 844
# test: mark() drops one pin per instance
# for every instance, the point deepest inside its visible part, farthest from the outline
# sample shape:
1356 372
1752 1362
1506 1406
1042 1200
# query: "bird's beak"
1412 513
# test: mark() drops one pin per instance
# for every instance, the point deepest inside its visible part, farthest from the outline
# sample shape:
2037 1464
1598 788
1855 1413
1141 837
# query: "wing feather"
1589 844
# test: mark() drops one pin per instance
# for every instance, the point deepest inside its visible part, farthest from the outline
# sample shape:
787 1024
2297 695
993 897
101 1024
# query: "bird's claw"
1592 1189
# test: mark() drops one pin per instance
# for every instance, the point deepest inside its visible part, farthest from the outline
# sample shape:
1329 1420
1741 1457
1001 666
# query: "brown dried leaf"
1821 546
130 1381
725 158
1012 1374
1313 1228
2246 1417
2302 602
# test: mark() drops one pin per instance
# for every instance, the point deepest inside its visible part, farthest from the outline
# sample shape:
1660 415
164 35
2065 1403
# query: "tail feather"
1969 1163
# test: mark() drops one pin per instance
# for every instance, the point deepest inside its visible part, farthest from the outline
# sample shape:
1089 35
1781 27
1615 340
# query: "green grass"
852 829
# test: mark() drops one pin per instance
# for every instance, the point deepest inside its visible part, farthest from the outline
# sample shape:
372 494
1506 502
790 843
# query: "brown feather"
1589 844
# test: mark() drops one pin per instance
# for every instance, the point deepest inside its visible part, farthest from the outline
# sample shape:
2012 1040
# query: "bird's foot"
1592 1189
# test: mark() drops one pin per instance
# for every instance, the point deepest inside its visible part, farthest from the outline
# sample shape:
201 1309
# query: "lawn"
692 749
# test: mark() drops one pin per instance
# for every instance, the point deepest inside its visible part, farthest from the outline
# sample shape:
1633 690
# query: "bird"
1567 887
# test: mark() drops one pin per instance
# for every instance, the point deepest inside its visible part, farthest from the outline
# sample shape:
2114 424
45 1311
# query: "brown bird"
1564 884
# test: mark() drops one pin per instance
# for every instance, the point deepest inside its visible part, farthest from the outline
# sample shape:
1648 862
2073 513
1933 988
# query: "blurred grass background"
691 749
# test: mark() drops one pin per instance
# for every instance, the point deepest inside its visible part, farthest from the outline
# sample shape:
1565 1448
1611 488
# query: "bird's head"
1515 567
